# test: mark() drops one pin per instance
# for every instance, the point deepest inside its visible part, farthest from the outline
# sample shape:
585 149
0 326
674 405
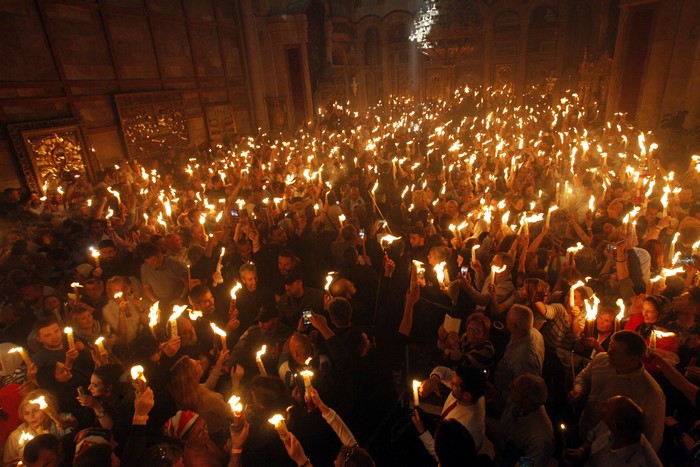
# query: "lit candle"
258 359
621 315
23 353
474 248
652 340
24 439
48 410
236 407
549 214
571 293
195 315
69 333
563 435
189 277
99 342
137 374
222 334
341 219
235 289
278 421
96 256
672 250
494 271
177 311
306 375
75 286
153 316
416 399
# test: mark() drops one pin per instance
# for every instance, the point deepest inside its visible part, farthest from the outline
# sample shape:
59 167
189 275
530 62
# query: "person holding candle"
34 422
604 328
191 429
618 439
125 313
54 348
253 295
473 348
189 394
465 402
524 428
268 331
163 279
105 396
85 327
658 319
620 371
13 369
524 352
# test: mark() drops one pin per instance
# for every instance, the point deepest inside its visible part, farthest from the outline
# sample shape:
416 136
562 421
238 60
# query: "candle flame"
217 330
276 419
137 373
154 314
235 290
621 304
75 284
195 315
40 401
261 352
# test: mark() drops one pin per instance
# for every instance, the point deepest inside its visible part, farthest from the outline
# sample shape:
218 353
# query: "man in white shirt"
525 351
465 403
620 372
618 439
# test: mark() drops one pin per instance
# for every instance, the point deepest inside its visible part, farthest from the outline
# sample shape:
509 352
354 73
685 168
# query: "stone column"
255 71
618 65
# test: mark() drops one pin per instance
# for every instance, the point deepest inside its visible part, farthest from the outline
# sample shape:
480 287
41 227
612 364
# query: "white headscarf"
9 361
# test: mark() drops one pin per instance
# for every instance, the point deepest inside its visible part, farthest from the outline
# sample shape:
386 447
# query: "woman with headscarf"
12 368
658 330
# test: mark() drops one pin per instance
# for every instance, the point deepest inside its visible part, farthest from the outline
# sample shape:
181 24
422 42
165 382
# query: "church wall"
61 58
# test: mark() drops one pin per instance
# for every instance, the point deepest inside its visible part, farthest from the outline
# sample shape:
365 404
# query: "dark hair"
454 445
45 376
340 311
39 443
44 322
109 374
354 343
634 343
270 392
97 454
197 292
473 380
149 250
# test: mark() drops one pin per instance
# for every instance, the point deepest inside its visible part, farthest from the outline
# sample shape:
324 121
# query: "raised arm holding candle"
258 360
177 311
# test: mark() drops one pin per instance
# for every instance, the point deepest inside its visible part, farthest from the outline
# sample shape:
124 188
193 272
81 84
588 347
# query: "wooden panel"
205 48
167 7
173 48
225 11
199 9
131 46
24 56
76 33
97 111
231 52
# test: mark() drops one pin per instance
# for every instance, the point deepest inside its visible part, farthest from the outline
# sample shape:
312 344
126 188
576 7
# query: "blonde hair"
184 384
116 284
51 401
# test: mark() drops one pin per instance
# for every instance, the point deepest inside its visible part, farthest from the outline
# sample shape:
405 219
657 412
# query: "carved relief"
152 122
51 151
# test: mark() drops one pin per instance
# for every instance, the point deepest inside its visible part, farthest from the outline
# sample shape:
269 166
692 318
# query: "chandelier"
447 30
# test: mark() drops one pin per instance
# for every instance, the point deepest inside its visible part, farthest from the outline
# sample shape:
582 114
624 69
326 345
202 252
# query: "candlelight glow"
235 289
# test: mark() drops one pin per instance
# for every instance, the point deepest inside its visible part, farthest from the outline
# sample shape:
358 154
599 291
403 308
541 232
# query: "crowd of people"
481 281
